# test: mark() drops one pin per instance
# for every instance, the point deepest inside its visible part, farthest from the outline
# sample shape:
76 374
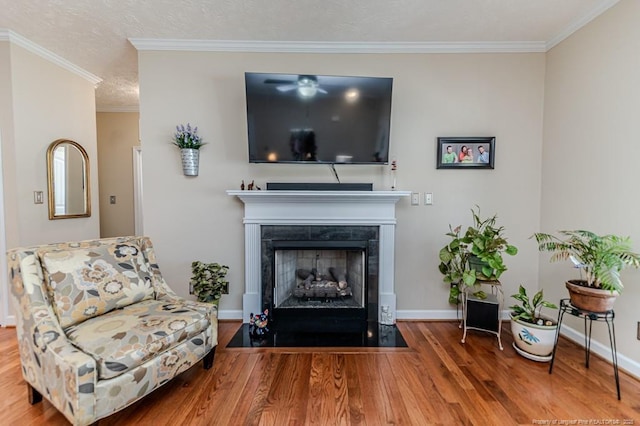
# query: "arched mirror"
68 180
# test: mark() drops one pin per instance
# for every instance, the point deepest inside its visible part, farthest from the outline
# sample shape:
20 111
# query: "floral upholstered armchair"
98 327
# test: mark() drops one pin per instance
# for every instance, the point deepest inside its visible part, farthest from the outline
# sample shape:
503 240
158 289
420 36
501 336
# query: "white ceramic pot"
533 341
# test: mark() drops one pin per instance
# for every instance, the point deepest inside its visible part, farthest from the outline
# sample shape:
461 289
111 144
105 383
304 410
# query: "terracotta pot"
589 298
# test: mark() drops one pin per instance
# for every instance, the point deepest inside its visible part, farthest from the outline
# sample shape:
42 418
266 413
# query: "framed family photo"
466 152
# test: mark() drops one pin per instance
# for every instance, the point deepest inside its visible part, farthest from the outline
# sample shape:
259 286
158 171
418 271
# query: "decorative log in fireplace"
316 285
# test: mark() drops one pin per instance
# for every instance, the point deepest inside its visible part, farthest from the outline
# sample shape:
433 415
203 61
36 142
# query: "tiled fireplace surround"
325 214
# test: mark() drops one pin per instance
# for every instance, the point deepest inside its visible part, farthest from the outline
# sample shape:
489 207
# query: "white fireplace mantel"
372 208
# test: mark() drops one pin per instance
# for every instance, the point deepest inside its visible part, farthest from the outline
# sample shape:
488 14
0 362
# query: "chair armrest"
206 308
66 376
69 376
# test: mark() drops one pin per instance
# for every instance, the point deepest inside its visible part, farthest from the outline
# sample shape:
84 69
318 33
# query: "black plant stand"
483 314
589 316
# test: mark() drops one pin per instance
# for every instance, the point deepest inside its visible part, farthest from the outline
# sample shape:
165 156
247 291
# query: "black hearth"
320 279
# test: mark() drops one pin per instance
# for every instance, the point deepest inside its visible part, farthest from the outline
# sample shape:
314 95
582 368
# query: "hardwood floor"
437 380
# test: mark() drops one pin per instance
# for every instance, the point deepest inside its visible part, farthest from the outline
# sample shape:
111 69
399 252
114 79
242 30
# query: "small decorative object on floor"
189 142
386 318
259 324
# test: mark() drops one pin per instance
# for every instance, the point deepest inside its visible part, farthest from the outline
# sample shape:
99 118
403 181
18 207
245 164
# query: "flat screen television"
294 118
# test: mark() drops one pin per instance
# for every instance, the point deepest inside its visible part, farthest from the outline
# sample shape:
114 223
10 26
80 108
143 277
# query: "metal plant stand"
589 316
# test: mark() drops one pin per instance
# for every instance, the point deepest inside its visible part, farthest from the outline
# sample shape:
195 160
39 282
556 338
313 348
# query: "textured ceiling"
93 34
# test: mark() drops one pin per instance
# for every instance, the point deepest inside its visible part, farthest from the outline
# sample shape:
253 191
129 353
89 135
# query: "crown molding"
17 39
580 22
144 44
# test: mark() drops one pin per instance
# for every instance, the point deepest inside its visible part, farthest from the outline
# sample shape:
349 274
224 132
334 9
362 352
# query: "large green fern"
602 257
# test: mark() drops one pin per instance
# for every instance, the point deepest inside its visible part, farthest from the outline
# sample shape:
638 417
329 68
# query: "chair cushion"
89 281
126 338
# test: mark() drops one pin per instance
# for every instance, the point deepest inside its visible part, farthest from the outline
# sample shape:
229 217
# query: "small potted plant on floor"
602 257
208 281
533 334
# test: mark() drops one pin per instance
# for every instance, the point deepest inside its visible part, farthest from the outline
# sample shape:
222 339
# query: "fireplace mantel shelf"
319 196
319 207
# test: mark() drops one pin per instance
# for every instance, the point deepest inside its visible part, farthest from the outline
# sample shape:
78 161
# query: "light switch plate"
38 197
428 198
112 199
415 198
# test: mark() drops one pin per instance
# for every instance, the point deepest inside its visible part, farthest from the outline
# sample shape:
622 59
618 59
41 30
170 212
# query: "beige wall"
39 103
10 191
117 135
434 95
591 143
49 103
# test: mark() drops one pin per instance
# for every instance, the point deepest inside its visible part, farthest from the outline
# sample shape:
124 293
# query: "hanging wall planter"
190 161
189 142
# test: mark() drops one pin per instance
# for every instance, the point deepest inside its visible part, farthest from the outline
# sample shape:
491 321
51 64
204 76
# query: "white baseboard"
428 315
625 363
10 321
228 314
436 315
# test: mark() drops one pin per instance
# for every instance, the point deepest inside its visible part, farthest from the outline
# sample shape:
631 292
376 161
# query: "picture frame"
457 145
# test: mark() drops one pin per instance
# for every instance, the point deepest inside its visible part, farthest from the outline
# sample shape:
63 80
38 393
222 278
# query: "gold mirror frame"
77 189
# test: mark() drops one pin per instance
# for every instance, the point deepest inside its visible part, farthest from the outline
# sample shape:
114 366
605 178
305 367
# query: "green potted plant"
533 334
454 257
474 256
487 246
602 257
208 281
189 142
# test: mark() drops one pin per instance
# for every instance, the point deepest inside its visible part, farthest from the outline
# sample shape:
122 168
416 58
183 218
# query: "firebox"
316 278
321 284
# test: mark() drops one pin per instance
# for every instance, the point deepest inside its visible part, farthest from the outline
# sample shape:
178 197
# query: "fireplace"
320 278
324 216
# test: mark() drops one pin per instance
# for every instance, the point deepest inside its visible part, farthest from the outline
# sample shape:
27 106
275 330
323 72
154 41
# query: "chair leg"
34 395
207 361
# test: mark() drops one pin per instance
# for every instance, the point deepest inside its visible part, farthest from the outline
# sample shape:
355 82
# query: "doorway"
118 138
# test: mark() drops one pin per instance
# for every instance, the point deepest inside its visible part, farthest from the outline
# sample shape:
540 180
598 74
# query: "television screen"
295 118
